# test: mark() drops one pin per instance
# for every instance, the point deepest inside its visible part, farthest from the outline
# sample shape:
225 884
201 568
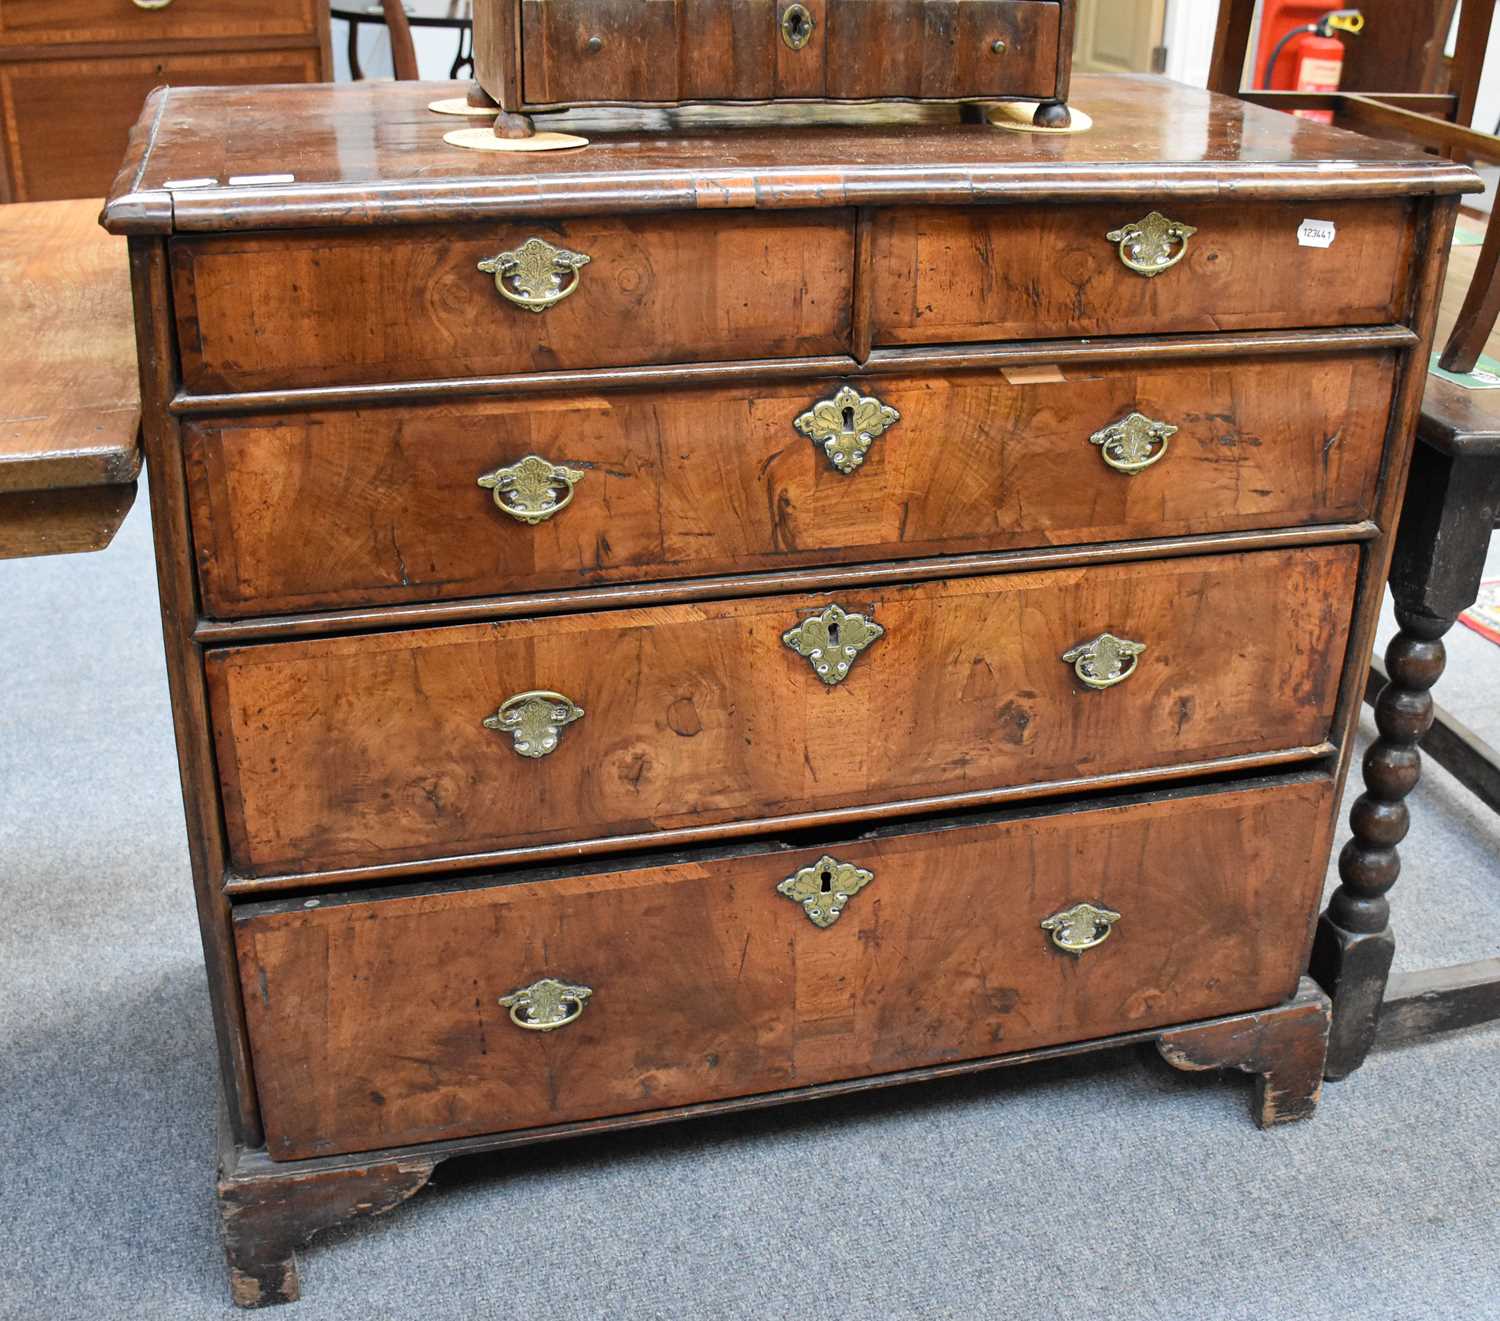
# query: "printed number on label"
1316 233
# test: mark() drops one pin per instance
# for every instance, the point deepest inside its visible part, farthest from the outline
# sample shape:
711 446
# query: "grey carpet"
1105 1187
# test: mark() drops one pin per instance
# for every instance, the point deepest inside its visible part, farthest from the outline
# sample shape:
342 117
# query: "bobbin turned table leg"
1284 1047
1451 502
1354 945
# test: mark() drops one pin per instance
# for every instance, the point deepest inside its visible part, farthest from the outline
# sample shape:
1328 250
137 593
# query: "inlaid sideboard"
755 608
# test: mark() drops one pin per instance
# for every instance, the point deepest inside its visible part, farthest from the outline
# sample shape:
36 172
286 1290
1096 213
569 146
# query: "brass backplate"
845 425
1080 927
532 275
1152 244
824 888
534 720
832 640
1104 661
546 1005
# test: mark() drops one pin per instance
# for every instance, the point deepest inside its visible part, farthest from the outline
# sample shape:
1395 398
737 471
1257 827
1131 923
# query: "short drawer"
358 751
607 487
582 51
81 22
272 311
952 275
382 1021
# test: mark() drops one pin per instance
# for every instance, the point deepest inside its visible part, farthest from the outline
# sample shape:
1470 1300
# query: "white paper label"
1316 233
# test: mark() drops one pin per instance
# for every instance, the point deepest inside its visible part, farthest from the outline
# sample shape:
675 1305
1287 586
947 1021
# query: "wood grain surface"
70 408
591 51
82 22
948 276
1152 141
691 482
376 1022
67 120
318 309
351 751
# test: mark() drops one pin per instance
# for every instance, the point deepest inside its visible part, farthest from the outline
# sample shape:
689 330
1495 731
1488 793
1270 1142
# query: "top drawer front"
732 50
73 22
309 310
1038 272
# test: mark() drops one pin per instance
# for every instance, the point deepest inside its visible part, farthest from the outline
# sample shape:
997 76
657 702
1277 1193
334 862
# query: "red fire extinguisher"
1315 60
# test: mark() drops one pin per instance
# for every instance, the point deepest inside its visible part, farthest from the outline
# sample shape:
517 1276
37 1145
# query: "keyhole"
827 879
833 633
848 419
796 26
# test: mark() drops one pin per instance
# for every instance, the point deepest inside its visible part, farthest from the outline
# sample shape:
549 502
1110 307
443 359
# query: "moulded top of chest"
237 158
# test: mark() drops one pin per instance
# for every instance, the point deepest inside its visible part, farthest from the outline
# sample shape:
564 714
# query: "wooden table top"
219 159
69 397
70 414
1455 419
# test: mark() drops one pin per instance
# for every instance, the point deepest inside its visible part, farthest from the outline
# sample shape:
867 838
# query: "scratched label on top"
1316 233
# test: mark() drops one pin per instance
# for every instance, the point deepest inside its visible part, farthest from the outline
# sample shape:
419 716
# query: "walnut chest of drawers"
710 620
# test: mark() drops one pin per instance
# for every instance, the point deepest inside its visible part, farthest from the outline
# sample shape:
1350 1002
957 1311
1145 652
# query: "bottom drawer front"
379 1022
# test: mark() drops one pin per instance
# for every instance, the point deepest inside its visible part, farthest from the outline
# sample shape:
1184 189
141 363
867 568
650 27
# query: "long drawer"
945 275
357 751
84 22
388 504
309 309
380 1021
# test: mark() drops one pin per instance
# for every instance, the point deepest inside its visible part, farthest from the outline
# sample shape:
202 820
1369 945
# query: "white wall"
1189 39
435 50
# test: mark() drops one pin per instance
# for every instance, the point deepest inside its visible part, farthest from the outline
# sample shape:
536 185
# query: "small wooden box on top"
535 55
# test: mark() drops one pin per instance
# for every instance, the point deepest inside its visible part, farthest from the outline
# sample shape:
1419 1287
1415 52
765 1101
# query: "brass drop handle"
1152 244
825 888
532 489
1104 661
534 720
1081 927
1134 443
831 641
797 25
532 275
151 4
846 424
546 1005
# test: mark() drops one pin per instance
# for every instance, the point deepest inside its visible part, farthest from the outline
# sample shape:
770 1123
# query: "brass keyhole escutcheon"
797 25
845 425
824 888
832 640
